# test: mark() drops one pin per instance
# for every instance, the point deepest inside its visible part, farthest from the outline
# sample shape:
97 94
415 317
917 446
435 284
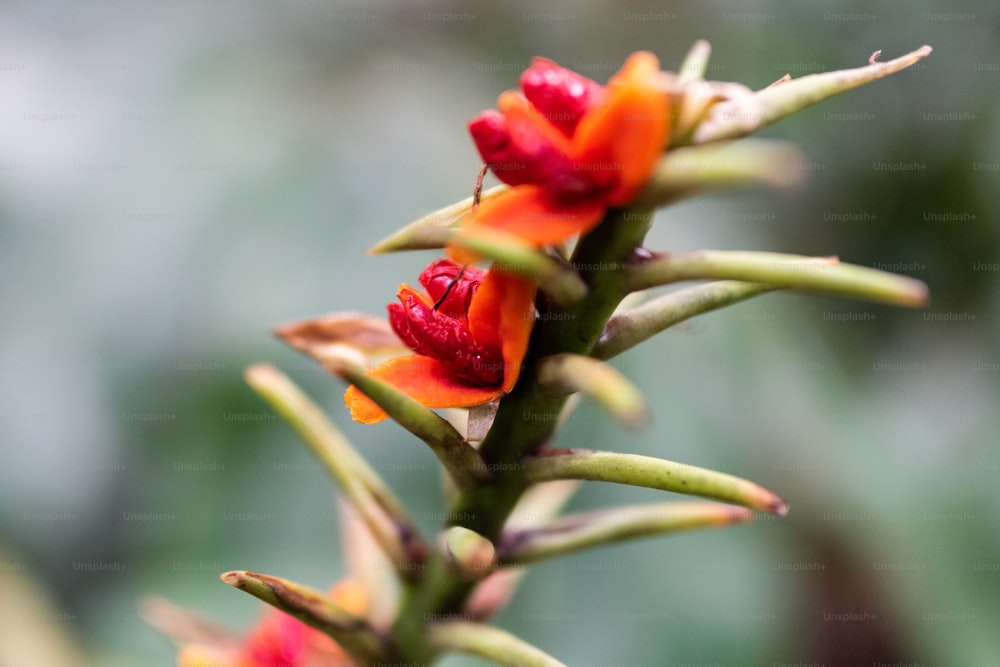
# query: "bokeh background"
178 178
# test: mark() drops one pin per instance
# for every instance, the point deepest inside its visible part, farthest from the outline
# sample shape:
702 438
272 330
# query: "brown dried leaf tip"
322 337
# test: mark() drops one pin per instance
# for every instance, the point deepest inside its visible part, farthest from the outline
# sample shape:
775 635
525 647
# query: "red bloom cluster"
570 148
469 334
441 331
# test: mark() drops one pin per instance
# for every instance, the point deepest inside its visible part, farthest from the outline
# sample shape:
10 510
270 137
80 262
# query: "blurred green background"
177 179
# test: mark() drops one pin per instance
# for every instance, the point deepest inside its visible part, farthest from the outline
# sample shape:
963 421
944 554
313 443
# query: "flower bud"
467 552
560 94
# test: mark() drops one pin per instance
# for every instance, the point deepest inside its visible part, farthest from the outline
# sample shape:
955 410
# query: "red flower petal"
563 184
424 379
559 94
521 146
492 136
278 639
431 332
451 286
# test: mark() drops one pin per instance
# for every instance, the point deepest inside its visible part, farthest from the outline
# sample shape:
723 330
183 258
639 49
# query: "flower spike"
584 167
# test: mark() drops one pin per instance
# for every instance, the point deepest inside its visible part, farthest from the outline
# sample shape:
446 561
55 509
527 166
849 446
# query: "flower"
280 640
570 148
469 334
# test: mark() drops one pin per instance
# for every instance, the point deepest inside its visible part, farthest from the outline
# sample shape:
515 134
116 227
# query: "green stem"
439 594
689 170
820 274
587 530
570 373
434 230
508 252
630 327
527 417
525 420
458 457
652 473
488 642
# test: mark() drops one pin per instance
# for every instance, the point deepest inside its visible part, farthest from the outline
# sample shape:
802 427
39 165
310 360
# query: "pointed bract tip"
233 577
696 61
470 553
261 374
779 507
919 296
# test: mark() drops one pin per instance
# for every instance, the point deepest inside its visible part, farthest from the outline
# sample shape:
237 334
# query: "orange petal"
462 255
502 314
422 378
350 595
630 129
205 656
405 290
528 213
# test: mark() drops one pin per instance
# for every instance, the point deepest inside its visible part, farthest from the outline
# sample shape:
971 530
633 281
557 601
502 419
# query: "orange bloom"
469 334
570 148
278 640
